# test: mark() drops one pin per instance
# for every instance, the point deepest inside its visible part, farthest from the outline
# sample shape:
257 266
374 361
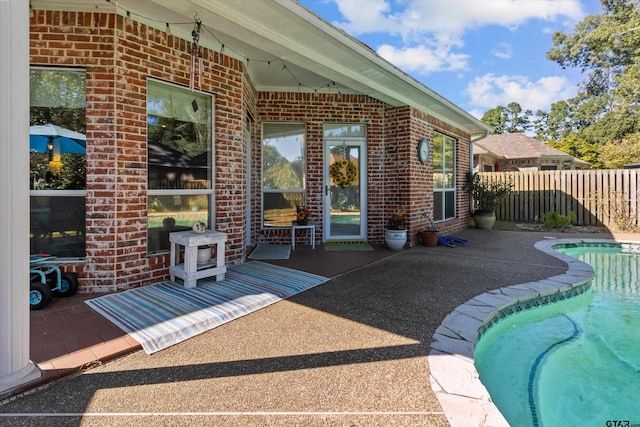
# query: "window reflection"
283 172
180 163
57 225
444 181
57 161
169 213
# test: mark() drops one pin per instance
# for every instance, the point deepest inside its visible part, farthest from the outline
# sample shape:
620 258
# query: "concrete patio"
353 351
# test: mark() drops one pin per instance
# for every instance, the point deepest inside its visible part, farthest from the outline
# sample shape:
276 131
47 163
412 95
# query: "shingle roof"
518 146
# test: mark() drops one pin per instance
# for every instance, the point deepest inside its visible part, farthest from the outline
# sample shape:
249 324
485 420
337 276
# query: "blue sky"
476 53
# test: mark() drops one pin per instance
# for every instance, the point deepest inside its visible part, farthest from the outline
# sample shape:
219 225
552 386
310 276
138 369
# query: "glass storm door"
345 194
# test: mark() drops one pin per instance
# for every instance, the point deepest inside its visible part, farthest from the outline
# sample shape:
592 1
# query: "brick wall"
315 110
396 178
120 56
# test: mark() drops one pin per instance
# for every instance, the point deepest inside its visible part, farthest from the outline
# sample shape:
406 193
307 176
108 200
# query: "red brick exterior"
119 57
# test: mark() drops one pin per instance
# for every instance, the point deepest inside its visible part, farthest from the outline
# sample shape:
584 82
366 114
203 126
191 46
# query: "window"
444 177
283 172
57 161
180 159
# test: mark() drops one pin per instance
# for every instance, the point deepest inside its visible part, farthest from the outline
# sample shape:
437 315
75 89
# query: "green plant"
556 220
622 214
155 205
486 194
397 220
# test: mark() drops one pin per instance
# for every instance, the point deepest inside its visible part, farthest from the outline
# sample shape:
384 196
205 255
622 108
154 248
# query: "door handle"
326 190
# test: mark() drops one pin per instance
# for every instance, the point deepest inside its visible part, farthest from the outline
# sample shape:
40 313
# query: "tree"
496 118
509 119
604 45
517 118
577 146
607 46
603 119
616 155
556 124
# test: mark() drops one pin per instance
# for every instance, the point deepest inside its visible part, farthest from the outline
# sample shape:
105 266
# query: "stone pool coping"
454 378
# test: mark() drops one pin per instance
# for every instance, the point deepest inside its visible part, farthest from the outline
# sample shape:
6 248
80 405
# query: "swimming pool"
575 361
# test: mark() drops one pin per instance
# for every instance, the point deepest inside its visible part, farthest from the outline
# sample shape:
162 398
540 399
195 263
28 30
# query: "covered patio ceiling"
285 48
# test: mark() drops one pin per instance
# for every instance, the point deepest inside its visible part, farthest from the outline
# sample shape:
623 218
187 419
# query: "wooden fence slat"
592 195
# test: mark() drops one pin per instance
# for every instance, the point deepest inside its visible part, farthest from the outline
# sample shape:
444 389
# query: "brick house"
231 113
518 152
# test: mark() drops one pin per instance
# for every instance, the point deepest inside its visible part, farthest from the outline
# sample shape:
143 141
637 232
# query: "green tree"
278 172
496 118
555 124
606 46
517 118
576 146
614 155
509 119
603 119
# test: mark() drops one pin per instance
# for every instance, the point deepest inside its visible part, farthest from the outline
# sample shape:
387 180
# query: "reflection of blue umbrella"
62 140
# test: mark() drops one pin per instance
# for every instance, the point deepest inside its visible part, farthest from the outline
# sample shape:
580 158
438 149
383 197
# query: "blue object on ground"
452 241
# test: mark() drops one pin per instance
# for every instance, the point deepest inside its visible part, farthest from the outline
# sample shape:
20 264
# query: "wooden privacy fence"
596 197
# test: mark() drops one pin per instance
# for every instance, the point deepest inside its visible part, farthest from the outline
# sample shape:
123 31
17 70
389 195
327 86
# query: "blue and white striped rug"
163 314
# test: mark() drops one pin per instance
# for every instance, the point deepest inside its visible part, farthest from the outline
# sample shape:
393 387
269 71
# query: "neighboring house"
518 152
231 113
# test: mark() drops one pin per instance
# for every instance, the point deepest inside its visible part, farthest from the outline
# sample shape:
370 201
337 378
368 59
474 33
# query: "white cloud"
413 19
432 31
503 51
489 91
424 60
363 16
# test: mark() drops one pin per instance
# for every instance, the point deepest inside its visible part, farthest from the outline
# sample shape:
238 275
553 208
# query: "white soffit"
317 55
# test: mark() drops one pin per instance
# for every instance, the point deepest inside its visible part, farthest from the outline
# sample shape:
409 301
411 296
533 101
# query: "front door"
345 171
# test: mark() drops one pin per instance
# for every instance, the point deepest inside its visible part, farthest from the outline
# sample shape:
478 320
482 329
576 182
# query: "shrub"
486 194
556 220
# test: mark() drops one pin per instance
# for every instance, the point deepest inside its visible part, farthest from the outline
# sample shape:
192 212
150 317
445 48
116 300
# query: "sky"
478 54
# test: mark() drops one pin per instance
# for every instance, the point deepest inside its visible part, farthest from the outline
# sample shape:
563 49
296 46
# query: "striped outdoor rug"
163 314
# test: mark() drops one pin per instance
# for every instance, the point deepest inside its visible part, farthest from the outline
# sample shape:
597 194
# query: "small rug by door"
163 314
271 252
347 246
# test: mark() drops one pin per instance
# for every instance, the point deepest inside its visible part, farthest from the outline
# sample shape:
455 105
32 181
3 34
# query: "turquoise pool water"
572 362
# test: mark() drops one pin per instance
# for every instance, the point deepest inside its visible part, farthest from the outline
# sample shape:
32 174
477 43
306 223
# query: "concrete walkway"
351 352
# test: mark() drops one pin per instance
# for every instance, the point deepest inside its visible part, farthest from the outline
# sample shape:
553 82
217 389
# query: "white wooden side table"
190 271
311 225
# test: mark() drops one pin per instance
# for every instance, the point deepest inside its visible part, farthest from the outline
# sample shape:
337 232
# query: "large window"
180 159
444 177
57 161
283 172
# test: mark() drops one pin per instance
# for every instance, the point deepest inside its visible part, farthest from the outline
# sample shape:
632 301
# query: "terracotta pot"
429 238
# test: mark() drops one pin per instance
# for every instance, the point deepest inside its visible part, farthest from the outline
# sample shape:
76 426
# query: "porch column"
15 367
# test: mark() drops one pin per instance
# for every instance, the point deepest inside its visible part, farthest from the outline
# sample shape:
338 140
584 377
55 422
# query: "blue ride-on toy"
47 281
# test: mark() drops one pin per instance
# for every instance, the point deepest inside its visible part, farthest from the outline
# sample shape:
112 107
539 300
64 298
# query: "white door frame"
361 143
247 138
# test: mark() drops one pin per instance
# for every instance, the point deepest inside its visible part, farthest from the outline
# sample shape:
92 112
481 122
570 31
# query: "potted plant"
395 234
485 197
429 235
302 215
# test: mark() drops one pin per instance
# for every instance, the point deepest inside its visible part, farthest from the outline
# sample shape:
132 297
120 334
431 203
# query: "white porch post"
15 367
